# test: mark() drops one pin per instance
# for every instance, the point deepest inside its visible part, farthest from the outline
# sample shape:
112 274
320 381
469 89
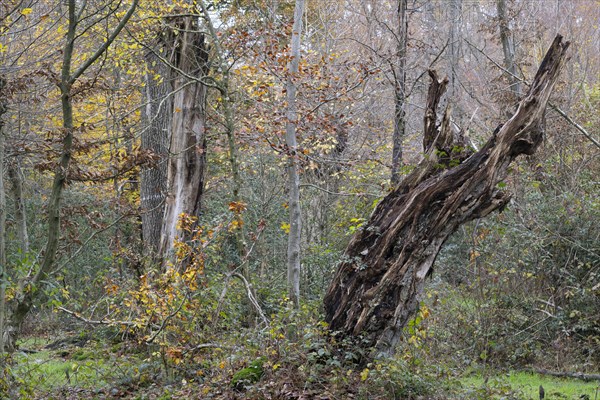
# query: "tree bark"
15 175
293 250
455 36
156 116
399 92
374 291
185 170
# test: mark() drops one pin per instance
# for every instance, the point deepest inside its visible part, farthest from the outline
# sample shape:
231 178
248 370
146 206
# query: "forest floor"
96 366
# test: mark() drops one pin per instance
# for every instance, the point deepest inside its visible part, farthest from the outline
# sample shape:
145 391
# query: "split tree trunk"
374 291
187 159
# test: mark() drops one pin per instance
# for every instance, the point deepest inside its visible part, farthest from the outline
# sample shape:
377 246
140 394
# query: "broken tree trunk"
187 158
374 291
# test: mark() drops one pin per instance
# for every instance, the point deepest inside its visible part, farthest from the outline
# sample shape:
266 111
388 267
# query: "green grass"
527 385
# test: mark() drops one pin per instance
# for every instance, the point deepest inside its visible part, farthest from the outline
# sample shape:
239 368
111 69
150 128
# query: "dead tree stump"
374 291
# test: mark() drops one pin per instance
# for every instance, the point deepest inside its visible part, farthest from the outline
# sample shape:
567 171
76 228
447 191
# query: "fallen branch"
241 277
576 375
251 297
204 346
97 321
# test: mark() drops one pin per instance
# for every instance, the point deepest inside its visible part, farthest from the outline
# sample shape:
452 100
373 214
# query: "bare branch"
106 44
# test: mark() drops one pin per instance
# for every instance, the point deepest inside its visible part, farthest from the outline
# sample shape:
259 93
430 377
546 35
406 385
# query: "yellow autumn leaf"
364 374
285 227
26 11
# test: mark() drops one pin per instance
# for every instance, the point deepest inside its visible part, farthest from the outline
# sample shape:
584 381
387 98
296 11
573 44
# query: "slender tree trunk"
399 92
454 45
508 48
23 300
187 158
156 116
3 106
15 175
374 291
293 168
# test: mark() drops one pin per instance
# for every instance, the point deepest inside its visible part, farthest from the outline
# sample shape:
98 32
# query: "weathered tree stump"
374 291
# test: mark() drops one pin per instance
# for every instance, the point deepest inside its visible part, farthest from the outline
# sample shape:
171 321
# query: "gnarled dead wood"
374 291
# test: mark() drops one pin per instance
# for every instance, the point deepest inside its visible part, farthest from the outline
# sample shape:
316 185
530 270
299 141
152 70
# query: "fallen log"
565 374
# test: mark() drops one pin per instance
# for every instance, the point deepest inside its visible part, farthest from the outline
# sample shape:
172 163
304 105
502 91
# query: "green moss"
82 355
528 385
249 375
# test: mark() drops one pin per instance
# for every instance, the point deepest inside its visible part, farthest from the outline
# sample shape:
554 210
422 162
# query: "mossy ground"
102 368
527 386
97 366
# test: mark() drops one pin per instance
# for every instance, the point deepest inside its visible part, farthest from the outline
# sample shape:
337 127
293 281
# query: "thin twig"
575 124
338 193
89 239
164 321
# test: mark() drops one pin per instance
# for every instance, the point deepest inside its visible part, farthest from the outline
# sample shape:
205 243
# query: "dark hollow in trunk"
374 291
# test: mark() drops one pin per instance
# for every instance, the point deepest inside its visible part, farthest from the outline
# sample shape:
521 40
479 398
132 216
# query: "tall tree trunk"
399 92
156 116
3 105
185 170
374 291
293 250
508 48
454 45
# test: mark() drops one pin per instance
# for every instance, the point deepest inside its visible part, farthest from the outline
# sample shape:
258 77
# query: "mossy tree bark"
374 291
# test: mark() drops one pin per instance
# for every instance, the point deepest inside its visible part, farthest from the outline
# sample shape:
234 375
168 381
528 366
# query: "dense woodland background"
180 180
